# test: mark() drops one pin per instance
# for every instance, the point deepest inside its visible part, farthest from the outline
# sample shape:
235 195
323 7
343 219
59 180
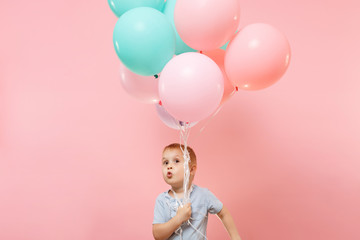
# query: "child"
171 215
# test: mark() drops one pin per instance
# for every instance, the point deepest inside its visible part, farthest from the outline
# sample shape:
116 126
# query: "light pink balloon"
143 88
257 57
218 56
207 24
169 120
191 86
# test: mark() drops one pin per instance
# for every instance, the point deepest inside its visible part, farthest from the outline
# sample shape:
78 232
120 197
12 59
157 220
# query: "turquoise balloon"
181 47
144 40
119 7
225 45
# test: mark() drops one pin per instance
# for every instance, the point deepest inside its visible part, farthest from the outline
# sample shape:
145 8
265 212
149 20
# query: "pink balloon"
257 57
191 86
143 88
169 120
207 24
218 56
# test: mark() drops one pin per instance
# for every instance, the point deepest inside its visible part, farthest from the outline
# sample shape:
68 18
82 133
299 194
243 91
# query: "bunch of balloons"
189 56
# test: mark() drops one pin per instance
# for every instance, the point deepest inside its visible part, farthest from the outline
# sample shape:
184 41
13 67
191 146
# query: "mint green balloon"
225 45
119 7
144 40
181 47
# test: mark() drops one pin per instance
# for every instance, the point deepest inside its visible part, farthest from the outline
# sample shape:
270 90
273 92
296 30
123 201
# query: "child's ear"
193 169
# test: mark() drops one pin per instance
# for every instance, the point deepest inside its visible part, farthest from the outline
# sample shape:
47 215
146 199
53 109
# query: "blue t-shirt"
202 203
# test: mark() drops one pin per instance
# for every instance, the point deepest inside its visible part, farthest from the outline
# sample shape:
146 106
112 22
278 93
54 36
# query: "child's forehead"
172 152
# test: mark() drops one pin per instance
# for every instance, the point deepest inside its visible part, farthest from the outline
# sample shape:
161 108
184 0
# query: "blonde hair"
177 146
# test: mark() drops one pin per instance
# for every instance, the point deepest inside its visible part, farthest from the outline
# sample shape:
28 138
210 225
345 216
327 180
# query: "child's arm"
163 231
229 224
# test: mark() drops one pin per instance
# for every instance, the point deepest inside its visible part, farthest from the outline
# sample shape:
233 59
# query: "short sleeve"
214 204
159 211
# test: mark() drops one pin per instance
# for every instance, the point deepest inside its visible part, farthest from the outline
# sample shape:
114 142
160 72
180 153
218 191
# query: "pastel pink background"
80 159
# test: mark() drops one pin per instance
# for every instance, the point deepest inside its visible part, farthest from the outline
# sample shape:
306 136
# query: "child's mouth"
169 175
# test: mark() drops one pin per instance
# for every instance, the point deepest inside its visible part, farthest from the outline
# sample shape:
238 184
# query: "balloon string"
217 111
211 117
184 136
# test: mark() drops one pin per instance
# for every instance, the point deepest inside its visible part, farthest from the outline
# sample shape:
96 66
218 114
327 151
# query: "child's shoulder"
201 190
162 196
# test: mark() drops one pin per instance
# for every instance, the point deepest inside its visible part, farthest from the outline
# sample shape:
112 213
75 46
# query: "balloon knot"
236 88
160 103
156 76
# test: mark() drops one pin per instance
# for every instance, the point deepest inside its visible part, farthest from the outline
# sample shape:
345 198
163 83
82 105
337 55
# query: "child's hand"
184 213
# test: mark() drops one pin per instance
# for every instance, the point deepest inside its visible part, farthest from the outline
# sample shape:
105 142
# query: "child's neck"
179 191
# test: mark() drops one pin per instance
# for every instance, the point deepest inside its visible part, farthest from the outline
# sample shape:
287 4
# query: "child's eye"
166 163
177 160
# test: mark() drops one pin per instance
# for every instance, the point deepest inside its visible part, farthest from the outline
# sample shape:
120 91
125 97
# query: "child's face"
173 167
